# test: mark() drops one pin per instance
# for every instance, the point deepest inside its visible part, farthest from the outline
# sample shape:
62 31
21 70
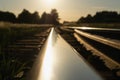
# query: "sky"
69 10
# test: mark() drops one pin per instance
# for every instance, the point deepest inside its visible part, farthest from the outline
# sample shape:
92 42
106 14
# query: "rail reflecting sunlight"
60 61
93 28
46 69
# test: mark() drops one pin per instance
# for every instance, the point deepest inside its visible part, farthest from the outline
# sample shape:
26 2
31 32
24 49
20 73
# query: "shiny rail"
93 28
59 61
108 61
99 39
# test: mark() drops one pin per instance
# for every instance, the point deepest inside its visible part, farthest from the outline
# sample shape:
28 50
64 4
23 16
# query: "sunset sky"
70 10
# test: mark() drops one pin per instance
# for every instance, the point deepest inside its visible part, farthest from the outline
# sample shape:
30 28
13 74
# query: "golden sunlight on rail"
61 62
47 62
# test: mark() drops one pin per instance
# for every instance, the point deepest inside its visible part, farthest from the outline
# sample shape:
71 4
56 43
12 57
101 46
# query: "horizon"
67 12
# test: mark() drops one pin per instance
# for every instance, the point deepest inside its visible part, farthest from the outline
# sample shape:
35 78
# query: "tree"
43 18
89 18
81 20
101 17
35 18
51 18
7 16
55 16
24 17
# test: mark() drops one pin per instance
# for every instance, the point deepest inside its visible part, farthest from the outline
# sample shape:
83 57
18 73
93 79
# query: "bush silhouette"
31 18
101 17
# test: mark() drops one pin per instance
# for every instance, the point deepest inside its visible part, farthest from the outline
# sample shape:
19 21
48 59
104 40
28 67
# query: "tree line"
101 17
31 18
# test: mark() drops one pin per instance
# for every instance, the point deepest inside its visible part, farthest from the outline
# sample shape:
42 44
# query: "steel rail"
108 61
59 61
99 39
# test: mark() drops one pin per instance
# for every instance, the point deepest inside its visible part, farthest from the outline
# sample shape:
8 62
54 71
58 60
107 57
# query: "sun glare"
49 3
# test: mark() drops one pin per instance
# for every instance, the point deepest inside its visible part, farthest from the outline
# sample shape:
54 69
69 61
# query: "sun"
49 3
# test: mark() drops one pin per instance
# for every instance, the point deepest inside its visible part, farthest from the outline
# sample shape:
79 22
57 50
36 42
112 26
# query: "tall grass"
10 34
11 68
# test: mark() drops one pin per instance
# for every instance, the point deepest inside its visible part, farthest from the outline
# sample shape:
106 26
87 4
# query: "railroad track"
100 39
85 48
112 64
59 61
103 41
27 48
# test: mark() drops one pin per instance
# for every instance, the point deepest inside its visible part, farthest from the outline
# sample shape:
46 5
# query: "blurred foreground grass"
12 68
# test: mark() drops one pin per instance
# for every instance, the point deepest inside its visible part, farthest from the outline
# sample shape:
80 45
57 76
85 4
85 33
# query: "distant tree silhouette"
87 19
7 17
43 18
24 17
46 18
118 18
55 16
81 20
101 17
33 18
106 16
51 18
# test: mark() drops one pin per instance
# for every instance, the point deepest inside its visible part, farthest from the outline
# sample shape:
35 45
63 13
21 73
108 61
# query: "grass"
11 68
10 34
